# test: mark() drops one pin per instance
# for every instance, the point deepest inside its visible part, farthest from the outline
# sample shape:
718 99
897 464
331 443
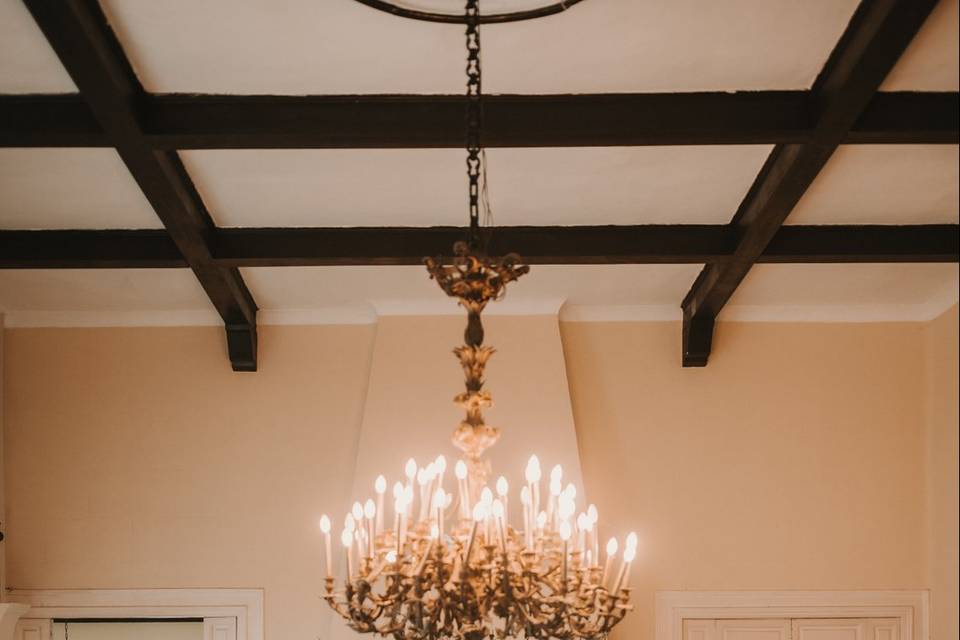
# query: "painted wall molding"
910 607
246 605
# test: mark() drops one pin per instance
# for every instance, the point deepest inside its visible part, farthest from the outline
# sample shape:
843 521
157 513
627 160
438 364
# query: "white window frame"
246 605
910 607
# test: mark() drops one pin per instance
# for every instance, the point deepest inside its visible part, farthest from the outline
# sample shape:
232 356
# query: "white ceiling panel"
930 63
884 184
423 187
341 46
27 62
103 296
844 292
70 189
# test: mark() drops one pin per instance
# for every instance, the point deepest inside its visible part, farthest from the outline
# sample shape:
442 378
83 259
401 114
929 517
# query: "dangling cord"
474 118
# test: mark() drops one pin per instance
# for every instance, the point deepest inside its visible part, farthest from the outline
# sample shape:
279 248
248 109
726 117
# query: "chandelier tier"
461 564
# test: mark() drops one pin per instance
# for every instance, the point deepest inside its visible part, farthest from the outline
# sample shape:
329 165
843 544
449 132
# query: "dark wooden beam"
877 35
643 244
89 50
909 118
198 121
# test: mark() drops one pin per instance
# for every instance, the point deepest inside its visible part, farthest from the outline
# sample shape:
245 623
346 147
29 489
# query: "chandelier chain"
474 117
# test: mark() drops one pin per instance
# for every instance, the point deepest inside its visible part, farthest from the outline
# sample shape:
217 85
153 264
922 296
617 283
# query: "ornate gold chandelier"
459 564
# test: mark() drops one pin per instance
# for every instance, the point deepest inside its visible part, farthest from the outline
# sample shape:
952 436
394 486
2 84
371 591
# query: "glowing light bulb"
502 486
532 473
346 538
565 508
431 471
411 468
556 487
570 491
460 469
391 556
369 509
325 523
422 478
397 490
497 509
480 512
380 484
440 463
357 511
612 547
525 495
592 514
631 542
439 499
349 524
629 554
565 530
399 505
556 474
408 495
486 496
582 522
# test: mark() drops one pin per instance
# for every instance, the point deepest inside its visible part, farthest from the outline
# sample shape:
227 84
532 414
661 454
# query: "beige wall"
942 472
135 458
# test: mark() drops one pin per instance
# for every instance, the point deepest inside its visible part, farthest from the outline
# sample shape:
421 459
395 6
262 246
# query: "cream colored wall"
793 461
135 458
942 472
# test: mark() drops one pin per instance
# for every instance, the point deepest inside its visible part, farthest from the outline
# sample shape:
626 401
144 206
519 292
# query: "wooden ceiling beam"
372 121
79 34
642 244
877 35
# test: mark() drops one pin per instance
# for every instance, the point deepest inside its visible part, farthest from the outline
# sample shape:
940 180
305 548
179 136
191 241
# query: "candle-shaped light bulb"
439 499
380 485
570 491
502 486
631 542
593 514
582 522
611 554
460 470
440 463
532 473
357 511
565 530
369 509
411 469
422 478
486 496
556 487
497 509
629 554
346 537
325 528
349 524
556 474
525 495
397 490
479 512
612 547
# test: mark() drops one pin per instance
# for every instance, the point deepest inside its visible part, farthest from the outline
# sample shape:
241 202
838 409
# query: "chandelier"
457 560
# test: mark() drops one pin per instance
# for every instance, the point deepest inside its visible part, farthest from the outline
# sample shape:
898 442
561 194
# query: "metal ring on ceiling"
451 18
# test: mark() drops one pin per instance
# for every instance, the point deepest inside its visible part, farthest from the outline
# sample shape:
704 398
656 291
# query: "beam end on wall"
697 338
242 346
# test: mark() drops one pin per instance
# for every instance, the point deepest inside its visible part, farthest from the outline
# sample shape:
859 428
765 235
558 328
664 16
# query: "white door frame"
246 605
910 607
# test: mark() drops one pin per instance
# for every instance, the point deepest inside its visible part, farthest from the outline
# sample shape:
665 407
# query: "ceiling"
341 47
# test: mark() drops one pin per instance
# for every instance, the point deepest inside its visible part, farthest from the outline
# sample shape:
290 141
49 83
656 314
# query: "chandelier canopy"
465 564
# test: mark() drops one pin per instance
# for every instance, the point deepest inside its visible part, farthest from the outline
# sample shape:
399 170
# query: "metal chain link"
474 117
